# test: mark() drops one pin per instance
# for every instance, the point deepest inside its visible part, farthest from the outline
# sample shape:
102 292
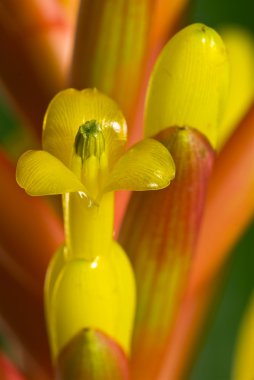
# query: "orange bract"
231 189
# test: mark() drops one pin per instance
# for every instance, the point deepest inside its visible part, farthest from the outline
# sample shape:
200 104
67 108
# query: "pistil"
89 227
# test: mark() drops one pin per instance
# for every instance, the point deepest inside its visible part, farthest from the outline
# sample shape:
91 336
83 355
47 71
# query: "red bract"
162 244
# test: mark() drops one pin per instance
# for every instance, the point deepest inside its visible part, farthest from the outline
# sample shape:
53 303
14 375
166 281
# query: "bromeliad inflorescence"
89 282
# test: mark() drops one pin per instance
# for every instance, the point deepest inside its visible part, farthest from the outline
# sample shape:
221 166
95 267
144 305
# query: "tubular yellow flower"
60 170
184 103
89 294
89 282
191 74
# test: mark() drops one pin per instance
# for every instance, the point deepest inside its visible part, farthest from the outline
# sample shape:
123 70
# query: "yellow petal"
189 83
69 110
146 166
243 363
40 173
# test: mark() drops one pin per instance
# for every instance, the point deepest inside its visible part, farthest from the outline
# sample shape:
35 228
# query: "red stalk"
159 233
229 208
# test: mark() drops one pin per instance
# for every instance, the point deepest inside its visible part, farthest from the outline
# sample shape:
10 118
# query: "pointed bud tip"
189 83
92 355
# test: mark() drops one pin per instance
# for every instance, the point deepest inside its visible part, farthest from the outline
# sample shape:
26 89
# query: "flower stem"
88 229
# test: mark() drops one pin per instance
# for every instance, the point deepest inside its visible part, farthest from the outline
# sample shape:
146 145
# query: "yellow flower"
62 168
89 282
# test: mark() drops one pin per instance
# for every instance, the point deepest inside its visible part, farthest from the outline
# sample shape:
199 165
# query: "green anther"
90 140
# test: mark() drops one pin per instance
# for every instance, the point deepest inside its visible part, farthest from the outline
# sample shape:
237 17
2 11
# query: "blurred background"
214 362
215 359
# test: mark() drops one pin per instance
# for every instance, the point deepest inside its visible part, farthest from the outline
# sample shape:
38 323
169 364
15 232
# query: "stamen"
89 140
90 159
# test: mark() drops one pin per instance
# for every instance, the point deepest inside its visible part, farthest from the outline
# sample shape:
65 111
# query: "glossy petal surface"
146 166
90 294
40 173
69 110
189 83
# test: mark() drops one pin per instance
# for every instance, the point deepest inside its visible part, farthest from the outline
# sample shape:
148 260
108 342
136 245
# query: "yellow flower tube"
89 282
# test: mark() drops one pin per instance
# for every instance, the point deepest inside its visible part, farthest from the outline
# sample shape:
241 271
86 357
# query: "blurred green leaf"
217 12
215 359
